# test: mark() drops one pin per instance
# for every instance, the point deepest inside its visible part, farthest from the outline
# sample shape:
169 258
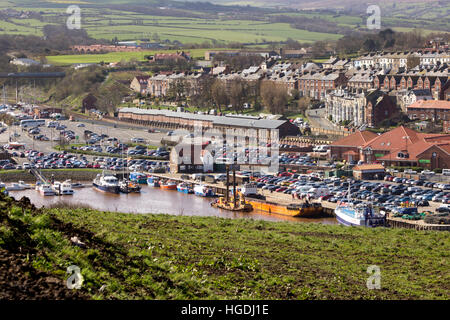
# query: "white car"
428 172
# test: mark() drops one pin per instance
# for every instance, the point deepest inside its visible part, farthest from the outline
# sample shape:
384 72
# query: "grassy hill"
128 256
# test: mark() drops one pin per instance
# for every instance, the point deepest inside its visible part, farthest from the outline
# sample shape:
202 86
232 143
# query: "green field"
118 56
129 256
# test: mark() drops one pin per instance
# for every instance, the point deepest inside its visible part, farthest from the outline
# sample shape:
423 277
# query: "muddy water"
153 200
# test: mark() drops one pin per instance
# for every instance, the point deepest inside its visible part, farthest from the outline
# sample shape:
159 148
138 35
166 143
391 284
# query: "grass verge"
130 256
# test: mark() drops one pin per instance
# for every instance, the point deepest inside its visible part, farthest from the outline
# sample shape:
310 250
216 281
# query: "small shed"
369 171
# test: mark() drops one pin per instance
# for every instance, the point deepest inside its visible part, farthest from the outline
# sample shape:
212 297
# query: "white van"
318 192
446 172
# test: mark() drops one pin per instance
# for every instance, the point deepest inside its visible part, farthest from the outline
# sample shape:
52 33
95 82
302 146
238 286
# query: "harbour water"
153 200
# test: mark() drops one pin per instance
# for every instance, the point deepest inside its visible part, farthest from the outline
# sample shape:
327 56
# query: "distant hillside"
315 4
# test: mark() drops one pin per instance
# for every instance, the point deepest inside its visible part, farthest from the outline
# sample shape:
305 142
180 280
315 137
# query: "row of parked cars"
117 164
424 183
334 190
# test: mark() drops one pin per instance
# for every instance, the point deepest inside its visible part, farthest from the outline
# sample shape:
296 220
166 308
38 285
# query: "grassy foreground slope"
176 257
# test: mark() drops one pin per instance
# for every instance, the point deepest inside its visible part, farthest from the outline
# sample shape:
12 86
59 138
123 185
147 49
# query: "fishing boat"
184 188
203 191
361 214
64 188
129 187
153 182
46 190
106 183
138 177
169 185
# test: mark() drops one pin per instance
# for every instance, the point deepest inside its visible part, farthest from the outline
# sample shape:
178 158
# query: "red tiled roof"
430 104
394 139
357 139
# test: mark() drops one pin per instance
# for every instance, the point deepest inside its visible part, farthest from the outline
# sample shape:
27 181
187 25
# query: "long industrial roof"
216 120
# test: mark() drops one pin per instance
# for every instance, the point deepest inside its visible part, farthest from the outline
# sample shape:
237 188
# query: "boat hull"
184 190
108 189
269 207
168 187
346 220
153 183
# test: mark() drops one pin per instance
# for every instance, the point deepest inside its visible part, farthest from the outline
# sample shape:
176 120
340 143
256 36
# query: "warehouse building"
184 120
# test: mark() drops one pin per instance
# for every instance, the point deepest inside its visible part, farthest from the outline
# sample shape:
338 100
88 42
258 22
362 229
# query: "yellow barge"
302 210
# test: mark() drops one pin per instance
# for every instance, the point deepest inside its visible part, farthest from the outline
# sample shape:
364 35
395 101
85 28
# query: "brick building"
433 110
317 84
348 148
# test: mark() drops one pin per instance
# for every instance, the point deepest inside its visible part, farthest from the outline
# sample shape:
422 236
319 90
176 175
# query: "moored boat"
46 190
203 191
14 187
153 182
138 177
106 183
184 188
299 210
64 188
362 214
169 185
129 187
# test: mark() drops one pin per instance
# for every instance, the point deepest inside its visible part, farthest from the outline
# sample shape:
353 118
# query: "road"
317 119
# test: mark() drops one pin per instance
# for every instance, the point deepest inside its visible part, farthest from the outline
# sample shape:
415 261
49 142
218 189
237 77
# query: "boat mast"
228 183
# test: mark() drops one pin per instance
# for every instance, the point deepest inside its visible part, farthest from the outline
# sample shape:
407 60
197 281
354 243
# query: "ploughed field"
128 256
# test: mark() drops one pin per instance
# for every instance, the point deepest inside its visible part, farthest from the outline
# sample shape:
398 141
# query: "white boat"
107 183
46 190
25 185
362 215
15 187
203 191
64 188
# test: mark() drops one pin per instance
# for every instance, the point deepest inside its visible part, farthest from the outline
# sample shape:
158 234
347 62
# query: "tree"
303 104
219 94
238 94
274 97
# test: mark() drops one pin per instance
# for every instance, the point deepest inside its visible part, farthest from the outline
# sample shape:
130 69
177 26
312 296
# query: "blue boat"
138 177
184 188
203 191
153 182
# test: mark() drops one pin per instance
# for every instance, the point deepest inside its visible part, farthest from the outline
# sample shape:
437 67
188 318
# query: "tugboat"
203 191
169 185
106 183
153 182
129 187
184 188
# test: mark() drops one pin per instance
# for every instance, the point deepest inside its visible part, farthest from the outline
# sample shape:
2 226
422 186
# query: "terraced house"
317 84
